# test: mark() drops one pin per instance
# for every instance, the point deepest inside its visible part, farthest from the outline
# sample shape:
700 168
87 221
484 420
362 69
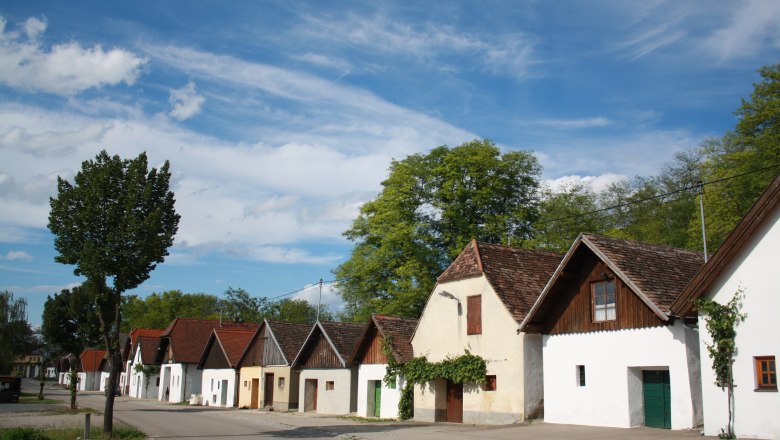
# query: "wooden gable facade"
263 350
567 304
318 352
214 357
329 345
370 349
570 308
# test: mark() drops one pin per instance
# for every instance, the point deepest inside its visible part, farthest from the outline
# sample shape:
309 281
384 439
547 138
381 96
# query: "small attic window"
603 293
474 315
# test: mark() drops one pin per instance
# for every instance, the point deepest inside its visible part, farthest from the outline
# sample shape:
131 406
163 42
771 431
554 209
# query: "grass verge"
33 398
121 431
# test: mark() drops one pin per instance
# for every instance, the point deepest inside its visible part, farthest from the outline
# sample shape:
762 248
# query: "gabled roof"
91 359
517 275
149 346
342 337
231 342
732 246
656 274
288 336
398 331
187 337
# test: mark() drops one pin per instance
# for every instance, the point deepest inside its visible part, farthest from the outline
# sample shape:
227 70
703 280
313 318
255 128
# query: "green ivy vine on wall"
459 369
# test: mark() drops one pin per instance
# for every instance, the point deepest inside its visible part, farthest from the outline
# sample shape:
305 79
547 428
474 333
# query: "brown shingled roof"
342 336
660 272
290 336
517 275
187 337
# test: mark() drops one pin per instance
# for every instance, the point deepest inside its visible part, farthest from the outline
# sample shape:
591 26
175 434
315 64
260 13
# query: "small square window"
580 375
766 373
490 382
329 385
280 382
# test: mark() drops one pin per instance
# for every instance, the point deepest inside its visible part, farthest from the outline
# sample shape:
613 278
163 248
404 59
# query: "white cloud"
324 61
330 298
17 256
754 25
186 102
595 183
34 27
65 69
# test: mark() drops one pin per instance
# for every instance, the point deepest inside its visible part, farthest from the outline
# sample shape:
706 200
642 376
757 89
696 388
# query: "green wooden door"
657 399
377 397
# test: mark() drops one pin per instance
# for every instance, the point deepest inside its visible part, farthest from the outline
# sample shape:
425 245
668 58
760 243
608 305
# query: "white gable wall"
442 333
341 399
219 387
755 271
614 360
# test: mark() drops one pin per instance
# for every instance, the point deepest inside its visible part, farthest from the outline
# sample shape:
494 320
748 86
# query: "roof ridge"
644 244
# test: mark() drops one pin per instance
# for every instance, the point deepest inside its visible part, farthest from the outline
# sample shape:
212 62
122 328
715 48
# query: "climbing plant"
722 321
459 369
73 387
148 371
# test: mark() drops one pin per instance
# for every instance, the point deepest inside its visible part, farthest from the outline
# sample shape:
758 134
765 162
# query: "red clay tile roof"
660 272
187 337
149 346
91 359
232 343
148 332
517 275
731 248
290 336
399 331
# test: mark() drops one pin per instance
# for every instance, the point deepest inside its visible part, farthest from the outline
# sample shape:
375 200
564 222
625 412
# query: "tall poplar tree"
115 223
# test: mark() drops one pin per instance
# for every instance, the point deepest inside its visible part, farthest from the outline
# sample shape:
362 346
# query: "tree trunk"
730 389
114 362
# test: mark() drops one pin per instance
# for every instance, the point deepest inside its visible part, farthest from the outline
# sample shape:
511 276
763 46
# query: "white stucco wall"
182 381
213 381
614 360
388 406
103 380
757 413
342 399
442 332
138 388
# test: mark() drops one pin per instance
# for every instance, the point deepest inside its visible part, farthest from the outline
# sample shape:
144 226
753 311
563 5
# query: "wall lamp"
446 294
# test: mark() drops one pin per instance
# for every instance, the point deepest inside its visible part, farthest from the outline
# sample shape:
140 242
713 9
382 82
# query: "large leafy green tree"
296 310
115 223
15 332
431 205
70 320
754 144
159 309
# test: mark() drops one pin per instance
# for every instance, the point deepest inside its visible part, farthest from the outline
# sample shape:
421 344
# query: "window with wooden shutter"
474 315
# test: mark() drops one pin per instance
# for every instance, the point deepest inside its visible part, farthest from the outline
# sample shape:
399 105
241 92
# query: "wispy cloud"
65 69
509 54
186 102
321 60
569 124
16 255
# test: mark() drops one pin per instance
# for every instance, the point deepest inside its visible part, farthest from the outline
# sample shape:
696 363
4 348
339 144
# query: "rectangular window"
212 384
603 300
474 315
329 385
766 373
158 381
244 384
490 382
580 375
281 382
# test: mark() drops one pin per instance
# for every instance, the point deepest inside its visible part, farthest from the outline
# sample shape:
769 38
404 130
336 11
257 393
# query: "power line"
659 196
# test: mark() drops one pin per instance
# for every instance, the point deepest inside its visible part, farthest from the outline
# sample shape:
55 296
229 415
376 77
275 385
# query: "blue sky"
280 118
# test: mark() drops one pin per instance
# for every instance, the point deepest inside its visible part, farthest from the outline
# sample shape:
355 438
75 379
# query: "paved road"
168 421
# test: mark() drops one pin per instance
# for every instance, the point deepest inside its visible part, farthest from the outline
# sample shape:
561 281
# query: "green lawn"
120 432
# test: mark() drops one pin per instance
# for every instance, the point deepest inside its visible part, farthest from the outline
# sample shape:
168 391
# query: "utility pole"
319 302
703 229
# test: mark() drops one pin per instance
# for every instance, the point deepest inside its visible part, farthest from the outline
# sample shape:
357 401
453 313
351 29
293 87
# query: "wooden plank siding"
215 359
320 354
371 350
573 308
254 357
272 354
